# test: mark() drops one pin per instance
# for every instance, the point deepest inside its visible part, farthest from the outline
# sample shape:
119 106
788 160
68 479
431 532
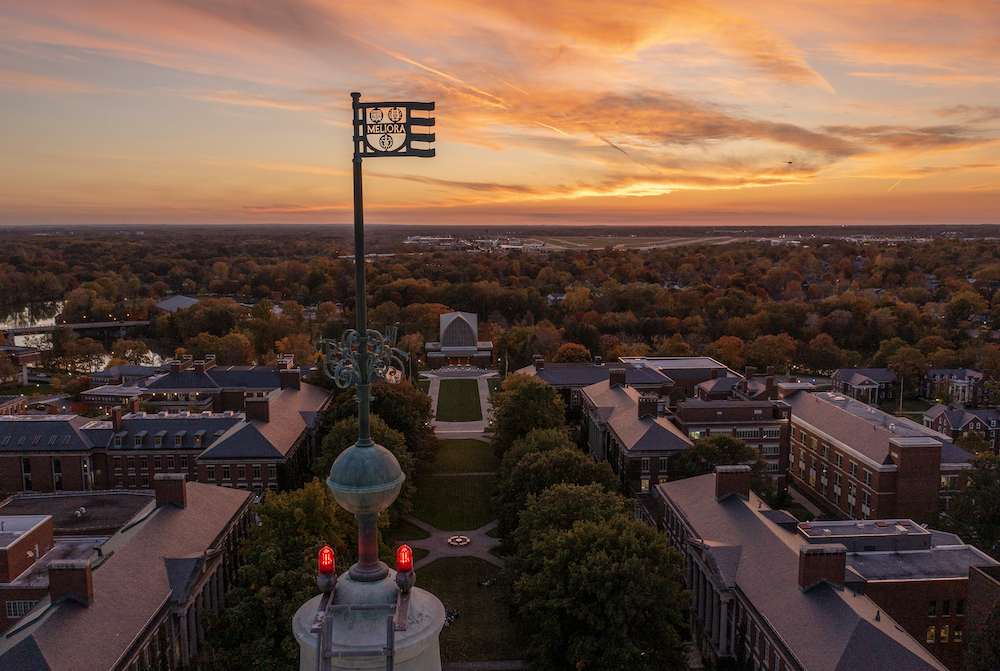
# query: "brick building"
957 422
201 385
570 378
962 385
626 429
13 405
268 446
763 592
685 372
858 462
868 385
764 425
145 607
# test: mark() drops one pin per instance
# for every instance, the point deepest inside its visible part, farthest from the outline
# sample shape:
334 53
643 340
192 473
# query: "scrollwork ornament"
341 359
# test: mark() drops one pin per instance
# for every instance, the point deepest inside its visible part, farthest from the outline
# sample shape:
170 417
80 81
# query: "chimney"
175 366
825 561
715 373
769 387
71 579
199 366
170 488
665 388
209 361
135 405
732 480
598 361
187 361
539 362
750 372
647 405
291 378
616 377
286 362
771 371
258 408
116 418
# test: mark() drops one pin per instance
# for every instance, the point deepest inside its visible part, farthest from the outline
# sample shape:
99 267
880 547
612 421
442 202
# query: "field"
458 401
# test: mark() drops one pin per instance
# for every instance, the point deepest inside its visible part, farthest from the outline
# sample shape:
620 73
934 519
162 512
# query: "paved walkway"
804 502
460 429
437 545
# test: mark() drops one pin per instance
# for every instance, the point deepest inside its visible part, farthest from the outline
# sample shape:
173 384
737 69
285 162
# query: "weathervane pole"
366 478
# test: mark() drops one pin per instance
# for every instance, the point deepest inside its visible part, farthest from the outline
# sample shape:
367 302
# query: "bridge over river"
85 326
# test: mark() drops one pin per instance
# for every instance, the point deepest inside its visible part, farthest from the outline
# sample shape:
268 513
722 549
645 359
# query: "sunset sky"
548 111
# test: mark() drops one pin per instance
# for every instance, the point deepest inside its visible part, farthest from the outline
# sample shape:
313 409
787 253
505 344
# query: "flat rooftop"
814 531
671 362
106 511
897 426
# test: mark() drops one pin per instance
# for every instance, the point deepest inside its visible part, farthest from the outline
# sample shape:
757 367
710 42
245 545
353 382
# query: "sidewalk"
437 545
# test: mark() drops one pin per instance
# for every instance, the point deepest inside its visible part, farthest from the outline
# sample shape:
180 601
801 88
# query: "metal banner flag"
388 129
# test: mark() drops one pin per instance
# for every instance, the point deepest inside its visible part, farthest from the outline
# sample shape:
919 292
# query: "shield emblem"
385 128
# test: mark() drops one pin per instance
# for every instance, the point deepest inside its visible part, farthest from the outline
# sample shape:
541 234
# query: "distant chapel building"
460 345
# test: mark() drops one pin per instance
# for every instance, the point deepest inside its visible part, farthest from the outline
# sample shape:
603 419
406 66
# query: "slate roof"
859 376
175 303
292 412
959 373
720 385
823 628
865 429
585 374
679 368
124 370
958 418
130 587
185 424
618 407
51 433
260 378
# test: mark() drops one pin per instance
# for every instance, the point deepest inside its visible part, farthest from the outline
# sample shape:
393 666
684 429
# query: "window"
949 482
771 449
946 608
960 608
241 472
118 463
184 461
211 472
932 608
645 464
868 477
813 443
854 470
663 465
138 441
145 480
18 609
802 437
26 473
143 461
839 460
131 481
178 439
158 440
118 441
931 634
945 630
272 471
772 433
256 471
131 463
837 482
225 472
57 474
644 485
957 636
747 433
695 434
156 462
826 451
170 461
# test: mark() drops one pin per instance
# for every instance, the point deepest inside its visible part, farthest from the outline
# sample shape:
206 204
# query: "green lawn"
425 385
482 632
404 531
458 401
494 384
33 389
463 456
454 503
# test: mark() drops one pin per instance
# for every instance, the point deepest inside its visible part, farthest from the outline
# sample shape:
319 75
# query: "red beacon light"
404 558
327 560
405 577
327 578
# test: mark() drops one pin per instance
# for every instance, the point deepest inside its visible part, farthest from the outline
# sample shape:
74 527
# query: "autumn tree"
601 595
523 403
771 350
974 512
572 353
277 575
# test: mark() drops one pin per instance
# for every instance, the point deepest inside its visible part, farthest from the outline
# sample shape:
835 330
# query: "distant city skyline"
665 112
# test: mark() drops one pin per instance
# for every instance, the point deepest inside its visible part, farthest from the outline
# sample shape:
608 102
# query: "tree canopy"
711 451
523 403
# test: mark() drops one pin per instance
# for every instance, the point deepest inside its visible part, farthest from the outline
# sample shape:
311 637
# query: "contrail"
552 127
895 185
